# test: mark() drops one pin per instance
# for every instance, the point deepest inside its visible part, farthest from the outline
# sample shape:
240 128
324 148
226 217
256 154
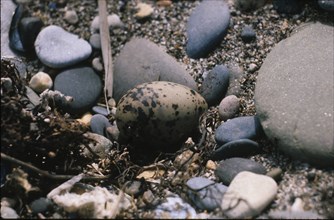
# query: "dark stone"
229 168
238 148
206 28
29 28
15 42
246 127
215 84
327 5
248 34
83 84
288 6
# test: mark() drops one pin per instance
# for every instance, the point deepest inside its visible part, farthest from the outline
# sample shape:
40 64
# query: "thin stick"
106 51
45 173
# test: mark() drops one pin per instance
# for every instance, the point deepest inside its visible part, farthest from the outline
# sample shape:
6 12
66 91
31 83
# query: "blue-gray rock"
248 5
15 42
29 28
58 48
7 10
228 107
215 85
288 6
248 34
100 110
238 148
83 84
229 168
148 63
294 94
98 124
205 193
206 27
328 5
246 127
40 205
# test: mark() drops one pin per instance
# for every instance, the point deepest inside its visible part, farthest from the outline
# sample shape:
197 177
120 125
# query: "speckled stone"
229 168
206 27
159 114
215 85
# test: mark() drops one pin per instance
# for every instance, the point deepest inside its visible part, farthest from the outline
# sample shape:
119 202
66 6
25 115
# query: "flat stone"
238 148
295 105
149 62
206 27
83 84
205 193
215 85
58 48
100 110
248 194
229 168
245 127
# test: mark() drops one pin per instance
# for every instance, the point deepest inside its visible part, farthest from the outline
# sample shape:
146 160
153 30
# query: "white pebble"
97 65
40 82
71 17
144 10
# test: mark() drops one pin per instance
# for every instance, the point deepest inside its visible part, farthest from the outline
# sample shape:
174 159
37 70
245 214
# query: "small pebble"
113 22
248 34
112 132
144 10
228 107
275 173
71 17
211 165
85 119
132 188
95 41
252 67
40 82
97 64
100 146
99 123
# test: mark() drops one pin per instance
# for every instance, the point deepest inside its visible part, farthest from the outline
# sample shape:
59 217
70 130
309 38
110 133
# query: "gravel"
167 27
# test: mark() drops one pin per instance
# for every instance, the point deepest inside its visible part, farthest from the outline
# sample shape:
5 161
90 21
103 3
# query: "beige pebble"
40 82
144 10
85 119
164 3
97 64
71 17
211 165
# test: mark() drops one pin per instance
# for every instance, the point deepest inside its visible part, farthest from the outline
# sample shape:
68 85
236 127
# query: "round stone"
294 95
98 124
81 83
40 205
71 17
228 107
40 82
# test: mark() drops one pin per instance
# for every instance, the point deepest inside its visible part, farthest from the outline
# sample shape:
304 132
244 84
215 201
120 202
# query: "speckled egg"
159 114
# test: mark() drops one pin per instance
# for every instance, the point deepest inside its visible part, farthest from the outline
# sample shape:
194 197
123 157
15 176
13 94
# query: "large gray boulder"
7 10
294 94
141 61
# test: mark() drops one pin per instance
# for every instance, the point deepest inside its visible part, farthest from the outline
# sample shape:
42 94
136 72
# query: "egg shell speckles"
159 114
